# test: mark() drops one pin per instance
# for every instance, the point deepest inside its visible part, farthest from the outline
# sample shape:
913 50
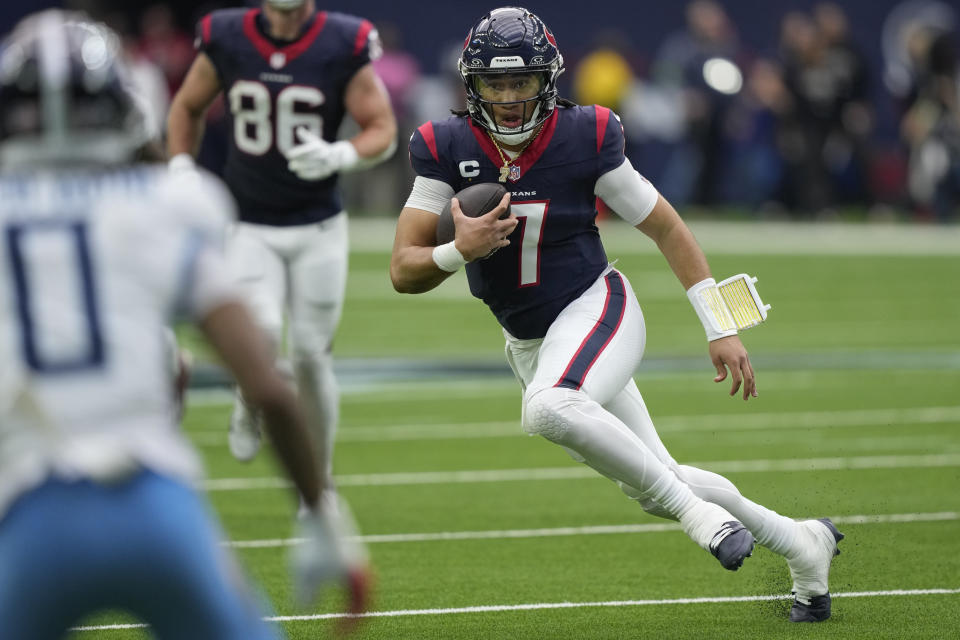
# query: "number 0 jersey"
93 265
555 252
273 88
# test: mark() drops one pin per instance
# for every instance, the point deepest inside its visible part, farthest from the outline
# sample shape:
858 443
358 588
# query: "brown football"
475 200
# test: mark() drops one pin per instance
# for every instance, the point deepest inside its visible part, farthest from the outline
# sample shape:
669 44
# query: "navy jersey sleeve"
610 140
425 156
208 40
361 41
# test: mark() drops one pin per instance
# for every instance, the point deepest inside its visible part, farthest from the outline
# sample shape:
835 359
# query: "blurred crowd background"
784 109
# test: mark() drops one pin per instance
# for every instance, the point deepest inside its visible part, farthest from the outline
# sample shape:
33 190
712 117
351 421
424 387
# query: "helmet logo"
278 60
476 62
536 60
501 62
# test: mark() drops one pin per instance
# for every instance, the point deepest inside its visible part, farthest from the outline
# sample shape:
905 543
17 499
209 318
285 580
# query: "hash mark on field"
579 472
561 605
578 531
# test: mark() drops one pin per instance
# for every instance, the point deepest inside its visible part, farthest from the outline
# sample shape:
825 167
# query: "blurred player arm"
232 333
189 107
329 551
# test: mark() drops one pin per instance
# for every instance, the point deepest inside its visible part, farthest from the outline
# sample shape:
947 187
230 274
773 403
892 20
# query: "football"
475 200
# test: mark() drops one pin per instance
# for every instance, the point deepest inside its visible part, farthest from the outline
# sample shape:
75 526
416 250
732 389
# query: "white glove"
316 159
180 163
330 551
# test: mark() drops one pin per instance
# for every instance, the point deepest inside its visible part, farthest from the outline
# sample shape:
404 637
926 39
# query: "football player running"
99 253
573 327
289 74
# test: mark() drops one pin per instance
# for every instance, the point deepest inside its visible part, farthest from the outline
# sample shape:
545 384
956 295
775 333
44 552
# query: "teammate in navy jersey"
98 505
573 327
289 74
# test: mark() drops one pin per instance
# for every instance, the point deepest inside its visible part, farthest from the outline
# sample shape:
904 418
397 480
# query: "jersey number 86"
252 108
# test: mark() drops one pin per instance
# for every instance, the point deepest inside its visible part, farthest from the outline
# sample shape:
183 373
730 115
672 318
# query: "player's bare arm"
368 104
413 268
678 245
189 107
242 348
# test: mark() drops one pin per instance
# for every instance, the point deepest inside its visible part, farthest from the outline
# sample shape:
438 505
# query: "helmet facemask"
510 58
511 105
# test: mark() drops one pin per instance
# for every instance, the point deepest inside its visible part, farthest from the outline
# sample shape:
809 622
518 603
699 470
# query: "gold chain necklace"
505 169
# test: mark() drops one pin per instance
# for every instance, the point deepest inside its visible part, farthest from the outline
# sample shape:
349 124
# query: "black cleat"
812 574
817 611
731 544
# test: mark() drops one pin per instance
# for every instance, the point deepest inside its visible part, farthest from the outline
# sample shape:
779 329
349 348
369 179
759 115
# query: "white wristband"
712 310
181 162
448 257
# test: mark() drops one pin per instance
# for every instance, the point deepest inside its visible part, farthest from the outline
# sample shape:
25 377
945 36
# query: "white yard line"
578 472
665 424
507 534
741 238
534 606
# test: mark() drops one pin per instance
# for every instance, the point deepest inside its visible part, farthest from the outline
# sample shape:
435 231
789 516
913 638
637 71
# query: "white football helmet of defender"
96 120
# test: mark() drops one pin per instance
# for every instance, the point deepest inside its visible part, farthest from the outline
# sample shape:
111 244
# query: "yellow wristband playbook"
728 306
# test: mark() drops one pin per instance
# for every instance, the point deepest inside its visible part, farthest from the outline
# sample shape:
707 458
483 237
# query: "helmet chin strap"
513 135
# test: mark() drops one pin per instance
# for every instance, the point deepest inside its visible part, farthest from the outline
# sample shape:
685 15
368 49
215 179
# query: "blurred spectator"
705 60
756 169
931 124
602 77
847 151
899 44
164 43
815 91
398 69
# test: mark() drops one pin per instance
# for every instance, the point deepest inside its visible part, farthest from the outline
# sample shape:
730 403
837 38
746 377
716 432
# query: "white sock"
772 530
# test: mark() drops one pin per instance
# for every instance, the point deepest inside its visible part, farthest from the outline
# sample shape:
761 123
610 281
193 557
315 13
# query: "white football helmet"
65 96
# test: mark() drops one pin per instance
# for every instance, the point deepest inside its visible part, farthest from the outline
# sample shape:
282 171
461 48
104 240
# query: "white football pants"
299 273
578 391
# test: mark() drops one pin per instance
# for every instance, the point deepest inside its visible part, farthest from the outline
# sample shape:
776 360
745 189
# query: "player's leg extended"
588 354
260 269
808 546
147 545
318 276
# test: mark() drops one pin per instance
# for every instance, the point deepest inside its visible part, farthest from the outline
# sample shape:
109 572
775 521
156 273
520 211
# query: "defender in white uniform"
97 255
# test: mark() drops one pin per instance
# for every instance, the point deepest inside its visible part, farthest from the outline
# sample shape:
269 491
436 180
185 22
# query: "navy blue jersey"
271 89
555 252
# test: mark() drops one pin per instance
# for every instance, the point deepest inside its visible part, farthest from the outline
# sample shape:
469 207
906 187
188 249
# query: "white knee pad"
546 412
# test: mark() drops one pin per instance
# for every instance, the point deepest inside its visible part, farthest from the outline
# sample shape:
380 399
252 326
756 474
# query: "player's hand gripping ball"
475 200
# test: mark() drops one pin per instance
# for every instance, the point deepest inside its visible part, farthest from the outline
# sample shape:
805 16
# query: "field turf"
479 531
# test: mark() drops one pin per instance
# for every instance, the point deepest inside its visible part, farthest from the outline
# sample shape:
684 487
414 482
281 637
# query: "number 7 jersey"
555 252
271 89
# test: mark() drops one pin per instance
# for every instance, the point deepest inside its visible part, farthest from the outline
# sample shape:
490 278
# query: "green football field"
480 531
